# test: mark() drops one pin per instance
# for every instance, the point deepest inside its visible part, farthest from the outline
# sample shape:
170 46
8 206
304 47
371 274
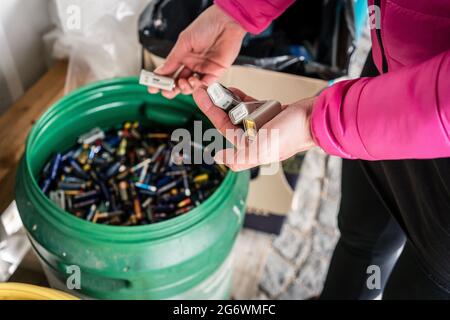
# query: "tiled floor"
293 265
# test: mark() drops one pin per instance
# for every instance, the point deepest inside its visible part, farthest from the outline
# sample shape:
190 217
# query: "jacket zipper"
380 41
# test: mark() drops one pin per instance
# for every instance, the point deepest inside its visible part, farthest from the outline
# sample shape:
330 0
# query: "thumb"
174 60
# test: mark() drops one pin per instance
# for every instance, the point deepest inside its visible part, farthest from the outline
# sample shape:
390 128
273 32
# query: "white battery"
59 198
92 136
242 110
149 79
222 97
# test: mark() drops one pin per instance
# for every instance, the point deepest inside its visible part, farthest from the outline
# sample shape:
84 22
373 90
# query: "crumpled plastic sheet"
100 38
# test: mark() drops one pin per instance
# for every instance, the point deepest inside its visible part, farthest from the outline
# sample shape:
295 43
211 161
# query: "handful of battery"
252 115
127 176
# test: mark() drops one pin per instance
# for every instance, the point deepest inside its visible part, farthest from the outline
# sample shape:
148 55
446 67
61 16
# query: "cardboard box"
269 194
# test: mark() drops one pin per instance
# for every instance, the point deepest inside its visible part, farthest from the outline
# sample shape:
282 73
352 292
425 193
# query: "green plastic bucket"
184 258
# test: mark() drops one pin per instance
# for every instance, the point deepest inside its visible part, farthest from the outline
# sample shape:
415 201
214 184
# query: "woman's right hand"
279 139
206 49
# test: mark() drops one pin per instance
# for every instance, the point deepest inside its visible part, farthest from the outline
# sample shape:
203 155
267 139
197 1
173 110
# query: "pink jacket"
402 114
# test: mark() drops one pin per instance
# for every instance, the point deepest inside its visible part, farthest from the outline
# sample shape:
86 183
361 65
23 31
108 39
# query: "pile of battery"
127 176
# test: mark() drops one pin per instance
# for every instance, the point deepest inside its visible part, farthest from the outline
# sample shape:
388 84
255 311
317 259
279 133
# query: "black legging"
387 205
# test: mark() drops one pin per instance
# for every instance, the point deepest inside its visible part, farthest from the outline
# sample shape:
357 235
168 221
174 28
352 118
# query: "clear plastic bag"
102 44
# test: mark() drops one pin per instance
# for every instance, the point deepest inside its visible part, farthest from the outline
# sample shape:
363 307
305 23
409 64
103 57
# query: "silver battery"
242 110
258 118
59 198
222 97
150 79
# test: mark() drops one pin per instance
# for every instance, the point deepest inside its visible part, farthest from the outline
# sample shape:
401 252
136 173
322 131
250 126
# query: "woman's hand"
206 49
279 139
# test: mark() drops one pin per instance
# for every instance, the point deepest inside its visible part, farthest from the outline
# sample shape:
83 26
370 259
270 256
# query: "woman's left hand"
284 136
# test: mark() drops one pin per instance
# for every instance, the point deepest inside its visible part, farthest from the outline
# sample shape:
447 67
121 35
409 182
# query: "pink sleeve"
403 114
254 15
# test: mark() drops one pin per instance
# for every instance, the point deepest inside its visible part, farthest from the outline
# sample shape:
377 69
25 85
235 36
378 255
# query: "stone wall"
298 259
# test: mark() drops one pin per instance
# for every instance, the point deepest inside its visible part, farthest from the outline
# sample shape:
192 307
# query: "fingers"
243 96
195 82
198 65
245 155
229 158
243 158
169 67
217 116
186 84
266 148
209 79
171 94
261 151
153 90
183 84
173 64
174 60
182 57
205 66
184 87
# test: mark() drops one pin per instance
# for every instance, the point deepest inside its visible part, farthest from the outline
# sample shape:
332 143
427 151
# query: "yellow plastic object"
250 128
20 291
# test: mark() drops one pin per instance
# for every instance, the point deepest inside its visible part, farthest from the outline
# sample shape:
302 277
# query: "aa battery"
124 176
